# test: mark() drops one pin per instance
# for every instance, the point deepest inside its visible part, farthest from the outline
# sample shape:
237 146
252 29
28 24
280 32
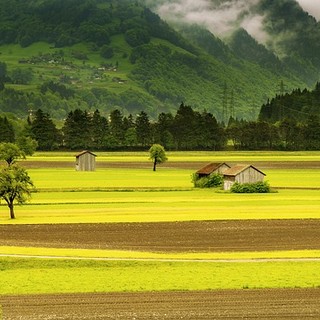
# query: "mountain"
59 55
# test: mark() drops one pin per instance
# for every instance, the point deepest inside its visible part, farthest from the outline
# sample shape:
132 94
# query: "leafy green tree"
15 186
10 152
137 36
157 155
106 52
27 145
21 76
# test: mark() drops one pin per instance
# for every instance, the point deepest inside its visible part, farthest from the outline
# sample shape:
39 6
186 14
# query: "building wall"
249 175
228 182
86 162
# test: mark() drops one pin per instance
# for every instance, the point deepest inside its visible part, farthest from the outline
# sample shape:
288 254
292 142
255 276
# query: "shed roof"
235 170
84 152
209 168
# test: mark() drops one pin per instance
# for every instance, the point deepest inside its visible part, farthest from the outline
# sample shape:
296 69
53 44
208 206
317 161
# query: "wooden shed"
85 161
212 168
242 174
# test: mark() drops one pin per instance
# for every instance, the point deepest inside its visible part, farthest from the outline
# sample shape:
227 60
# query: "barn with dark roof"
212 168
242 174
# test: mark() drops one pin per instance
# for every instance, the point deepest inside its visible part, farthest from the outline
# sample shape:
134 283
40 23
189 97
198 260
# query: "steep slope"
107 54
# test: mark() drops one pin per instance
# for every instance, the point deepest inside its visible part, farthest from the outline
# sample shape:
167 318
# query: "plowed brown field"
204 236
192 165
228 304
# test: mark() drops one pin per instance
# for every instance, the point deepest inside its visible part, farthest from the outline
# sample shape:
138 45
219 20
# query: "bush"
258 187
106 52
214 180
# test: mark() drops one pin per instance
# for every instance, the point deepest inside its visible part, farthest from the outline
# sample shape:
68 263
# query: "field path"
254 260
192 165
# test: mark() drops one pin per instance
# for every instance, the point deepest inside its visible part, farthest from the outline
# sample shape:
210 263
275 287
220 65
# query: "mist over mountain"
225 56
282 26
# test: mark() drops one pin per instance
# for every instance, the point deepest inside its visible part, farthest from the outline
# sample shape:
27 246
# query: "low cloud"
221 17
311 6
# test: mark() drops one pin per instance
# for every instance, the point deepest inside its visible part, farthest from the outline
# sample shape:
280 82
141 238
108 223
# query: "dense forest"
60 56
187 129
299 105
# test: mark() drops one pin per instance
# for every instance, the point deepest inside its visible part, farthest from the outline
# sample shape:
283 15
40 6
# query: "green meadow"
39 276
141 195
189 156
155 206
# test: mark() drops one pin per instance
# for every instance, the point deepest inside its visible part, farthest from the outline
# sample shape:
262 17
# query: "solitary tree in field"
10 152
15 186
157 155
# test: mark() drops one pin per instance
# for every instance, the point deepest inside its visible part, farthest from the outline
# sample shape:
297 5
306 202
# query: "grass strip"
109 207
123 254
39 276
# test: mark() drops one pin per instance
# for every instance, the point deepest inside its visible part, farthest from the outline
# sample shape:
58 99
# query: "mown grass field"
27 276
111 195
155 206
189 156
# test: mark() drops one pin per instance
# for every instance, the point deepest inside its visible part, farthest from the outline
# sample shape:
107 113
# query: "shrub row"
258 187
214 180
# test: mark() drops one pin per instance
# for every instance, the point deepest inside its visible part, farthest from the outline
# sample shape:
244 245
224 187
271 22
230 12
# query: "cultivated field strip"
194 236
221 304
192 165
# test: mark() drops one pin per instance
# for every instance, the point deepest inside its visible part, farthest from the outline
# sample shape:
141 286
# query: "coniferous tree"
6 130
184 128
76 130
117 131
99 130
44 131
163 130
312 133
211 135
3 74
143 129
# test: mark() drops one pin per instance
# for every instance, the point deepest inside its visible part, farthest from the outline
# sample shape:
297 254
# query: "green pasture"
112 179
141 195
165 178
36 276
156 256
155 206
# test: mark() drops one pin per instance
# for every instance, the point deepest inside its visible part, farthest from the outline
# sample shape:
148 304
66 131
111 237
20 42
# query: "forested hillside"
63 55
299 106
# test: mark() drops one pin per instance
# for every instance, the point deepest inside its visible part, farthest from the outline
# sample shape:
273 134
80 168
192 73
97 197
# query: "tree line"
187 129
